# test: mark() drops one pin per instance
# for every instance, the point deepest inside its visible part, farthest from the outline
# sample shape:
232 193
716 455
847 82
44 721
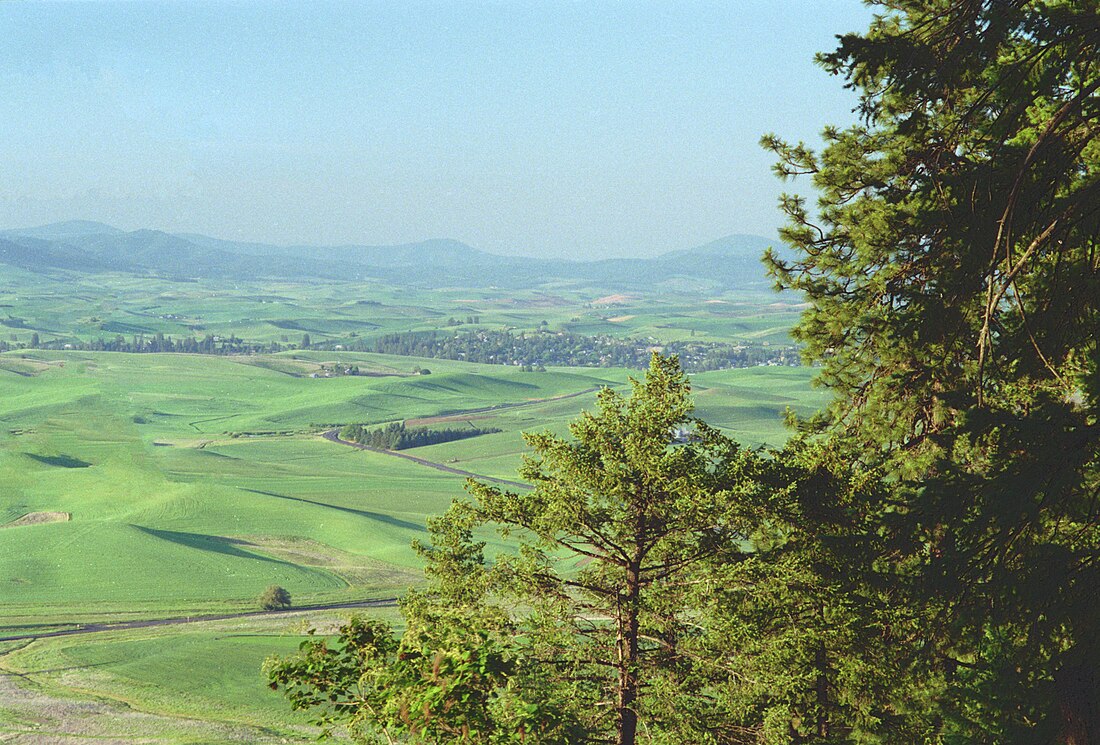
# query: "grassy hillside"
158 462
143 486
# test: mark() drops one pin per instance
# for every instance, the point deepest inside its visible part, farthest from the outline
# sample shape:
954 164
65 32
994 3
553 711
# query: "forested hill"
732 262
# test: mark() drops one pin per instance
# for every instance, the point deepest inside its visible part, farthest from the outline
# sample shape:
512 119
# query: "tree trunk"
628 659
1078 690
821 683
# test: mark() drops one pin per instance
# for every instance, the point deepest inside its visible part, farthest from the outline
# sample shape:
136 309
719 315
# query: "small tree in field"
275 598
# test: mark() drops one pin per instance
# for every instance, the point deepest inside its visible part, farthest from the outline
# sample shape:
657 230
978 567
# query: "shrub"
275 598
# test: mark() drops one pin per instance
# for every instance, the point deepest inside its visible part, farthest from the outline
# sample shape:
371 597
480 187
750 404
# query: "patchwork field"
162 486
72 307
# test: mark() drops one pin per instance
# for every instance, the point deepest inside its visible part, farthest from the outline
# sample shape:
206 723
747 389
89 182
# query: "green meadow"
160 486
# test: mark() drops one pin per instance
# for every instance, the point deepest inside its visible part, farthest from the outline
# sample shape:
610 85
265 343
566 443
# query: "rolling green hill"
165 461
138 486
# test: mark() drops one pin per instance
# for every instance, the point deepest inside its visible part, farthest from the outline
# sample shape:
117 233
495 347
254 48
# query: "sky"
568 129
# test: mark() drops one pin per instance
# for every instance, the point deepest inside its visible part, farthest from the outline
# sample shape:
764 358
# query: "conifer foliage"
953 272
621 520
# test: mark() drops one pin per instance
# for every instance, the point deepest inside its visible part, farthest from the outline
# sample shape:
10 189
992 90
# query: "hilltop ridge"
731 262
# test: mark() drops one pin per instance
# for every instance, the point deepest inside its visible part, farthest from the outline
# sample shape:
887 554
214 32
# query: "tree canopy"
620 519
661 585
952 268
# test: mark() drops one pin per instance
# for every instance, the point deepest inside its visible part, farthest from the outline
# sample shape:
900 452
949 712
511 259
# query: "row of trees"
920 563
529 350
158 342
396 436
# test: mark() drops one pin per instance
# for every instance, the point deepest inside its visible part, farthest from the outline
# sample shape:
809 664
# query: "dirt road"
93 628
333 435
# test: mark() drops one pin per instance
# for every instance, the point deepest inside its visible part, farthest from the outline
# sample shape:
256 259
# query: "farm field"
197 685
160 486
74 307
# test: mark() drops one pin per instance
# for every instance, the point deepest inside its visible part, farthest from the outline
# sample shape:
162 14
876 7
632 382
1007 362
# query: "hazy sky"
579 129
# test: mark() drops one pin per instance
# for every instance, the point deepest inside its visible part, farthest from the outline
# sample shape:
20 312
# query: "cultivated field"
89 307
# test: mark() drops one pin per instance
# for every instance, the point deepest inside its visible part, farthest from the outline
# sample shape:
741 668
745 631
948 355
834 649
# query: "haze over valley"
732 262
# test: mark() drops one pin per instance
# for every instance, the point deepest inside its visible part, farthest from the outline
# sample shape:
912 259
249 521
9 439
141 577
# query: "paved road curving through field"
333 435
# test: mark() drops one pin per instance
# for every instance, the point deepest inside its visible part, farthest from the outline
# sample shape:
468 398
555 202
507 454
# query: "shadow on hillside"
213 543
62 461
387 519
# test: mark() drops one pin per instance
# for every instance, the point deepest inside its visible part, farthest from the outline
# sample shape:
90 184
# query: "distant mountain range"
732 262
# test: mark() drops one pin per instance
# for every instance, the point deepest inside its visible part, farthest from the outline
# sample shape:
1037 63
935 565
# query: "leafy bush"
275 598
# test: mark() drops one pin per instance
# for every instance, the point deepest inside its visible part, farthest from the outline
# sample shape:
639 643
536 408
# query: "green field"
195 684
66 307
156 486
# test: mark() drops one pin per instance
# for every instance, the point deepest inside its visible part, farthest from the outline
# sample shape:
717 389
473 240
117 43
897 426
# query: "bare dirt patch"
620 319
37 518
352 568
26 367
616 299
32 713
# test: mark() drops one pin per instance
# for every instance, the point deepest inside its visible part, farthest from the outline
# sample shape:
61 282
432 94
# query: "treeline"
534 349
529 350
209 344
397 436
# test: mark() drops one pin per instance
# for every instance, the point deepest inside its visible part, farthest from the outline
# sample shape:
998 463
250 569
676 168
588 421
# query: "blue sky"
546 128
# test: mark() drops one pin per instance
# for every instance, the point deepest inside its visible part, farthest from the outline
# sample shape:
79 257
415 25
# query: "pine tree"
953 273
622 518
597 617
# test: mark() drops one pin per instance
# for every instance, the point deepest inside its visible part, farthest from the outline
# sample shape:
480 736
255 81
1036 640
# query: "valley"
155 485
